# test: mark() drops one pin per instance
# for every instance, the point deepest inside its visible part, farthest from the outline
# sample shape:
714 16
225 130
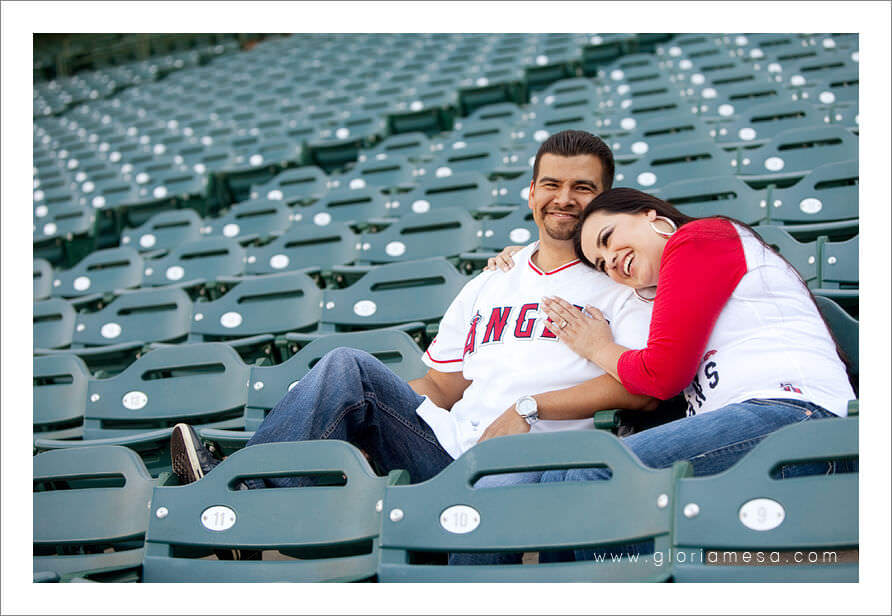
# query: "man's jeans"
351 396
712 442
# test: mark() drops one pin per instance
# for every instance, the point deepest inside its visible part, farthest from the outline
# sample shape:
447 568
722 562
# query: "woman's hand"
503 260
585 334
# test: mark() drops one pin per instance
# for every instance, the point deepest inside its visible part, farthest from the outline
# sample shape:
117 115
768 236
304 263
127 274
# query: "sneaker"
190 459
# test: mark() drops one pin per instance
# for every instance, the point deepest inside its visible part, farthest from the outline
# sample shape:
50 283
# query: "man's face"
566 184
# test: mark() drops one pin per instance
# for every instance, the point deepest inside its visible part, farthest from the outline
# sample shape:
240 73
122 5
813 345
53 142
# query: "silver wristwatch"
527 408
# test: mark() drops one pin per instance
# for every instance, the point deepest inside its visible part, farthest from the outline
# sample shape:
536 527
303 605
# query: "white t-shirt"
495 336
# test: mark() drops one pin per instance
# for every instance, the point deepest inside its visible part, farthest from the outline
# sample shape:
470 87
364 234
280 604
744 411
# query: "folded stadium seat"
473 132
256 309
475 157
163 232
615 122
306 246
651 132
196 263
270 383
602 49
516 227
53 323
545 122
90 513
103 194
793 153
43 279
468 189
250 221
513 192
631 68
509 113
546 64
257 160
748 509
203 384
448 514
60 396
352 206
429 111
302 185
65 234
167 190
389 173
333 537
338 139
804 256
757 125
446 231
845 114
717 196
671 163
839 85
560 92
410 295
491 86
102 271
415 146
139 315
824 202
838 272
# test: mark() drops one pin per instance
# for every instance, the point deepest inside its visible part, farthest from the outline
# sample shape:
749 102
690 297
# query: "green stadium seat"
804 256
270 304
65 235
671 163
257 220
825 200
446 231
474 132
393 294
102 271
196 262
302 185
602 49
415 146
43 279
329 531
449 514
389 173
475 157
167 190
164 231
845 330
468 189
60 396
838 274
491 86
90 513
648 133
139 315
747 508
758 124
717 196
304 246
795 152
354 206
53 326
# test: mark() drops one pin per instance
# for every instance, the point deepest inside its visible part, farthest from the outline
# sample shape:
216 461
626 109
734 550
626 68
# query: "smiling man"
494 366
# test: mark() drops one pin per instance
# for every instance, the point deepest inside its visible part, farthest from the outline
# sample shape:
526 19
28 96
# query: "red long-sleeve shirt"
701 266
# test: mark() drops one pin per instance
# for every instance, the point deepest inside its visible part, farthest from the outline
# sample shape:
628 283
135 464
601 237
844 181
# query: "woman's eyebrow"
600 241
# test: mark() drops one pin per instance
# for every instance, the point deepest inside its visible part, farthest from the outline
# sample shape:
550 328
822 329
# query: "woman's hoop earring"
646 300
669 222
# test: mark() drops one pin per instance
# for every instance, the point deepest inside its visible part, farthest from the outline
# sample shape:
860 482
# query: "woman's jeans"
351 396
711 442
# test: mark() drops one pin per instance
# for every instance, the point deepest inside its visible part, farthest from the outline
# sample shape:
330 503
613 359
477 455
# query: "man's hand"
509 422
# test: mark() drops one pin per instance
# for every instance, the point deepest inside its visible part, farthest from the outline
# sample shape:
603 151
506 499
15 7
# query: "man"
494 367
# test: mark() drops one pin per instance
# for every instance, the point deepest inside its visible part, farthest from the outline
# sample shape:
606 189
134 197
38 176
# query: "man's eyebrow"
547 179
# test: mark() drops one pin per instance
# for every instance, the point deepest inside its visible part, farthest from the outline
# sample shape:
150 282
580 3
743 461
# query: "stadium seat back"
304 246
60 395
446 231
53 324
102 271
164 231
199 260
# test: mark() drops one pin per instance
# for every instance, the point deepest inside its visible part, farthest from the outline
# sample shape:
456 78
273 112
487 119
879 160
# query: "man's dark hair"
578 143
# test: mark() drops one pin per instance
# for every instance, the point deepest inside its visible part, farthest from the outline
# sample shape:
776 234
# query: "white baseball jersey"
494 334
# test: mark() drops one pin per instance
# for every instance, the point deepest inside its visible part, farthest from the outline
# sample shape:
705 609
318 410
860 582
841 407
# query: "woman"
733 326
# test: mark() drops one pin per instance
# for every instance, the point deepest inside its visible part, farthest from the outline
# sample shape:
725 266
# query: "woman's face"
625 246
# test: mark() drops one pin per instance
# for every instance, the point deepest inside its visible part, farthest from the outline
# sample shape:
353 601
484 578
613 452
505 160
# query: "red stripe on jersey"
441 361
554 271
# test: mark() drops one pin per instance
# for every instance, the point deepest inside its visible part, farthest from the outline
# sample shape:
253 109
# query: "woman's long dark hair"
632 201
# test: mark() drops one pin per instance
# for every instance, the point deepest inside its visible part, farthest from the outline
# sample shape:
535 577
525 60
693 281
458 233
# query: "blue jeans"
711 442
351 396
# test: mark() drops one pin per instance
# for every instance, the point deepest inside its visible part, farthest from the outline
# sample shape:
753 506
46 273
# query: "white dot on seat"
365 308
175 272
774 163
230 320
395 249
811 205
647 178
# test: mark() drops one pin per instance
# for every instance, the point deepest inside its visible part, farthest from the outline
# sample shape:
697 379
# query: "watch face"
525 406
